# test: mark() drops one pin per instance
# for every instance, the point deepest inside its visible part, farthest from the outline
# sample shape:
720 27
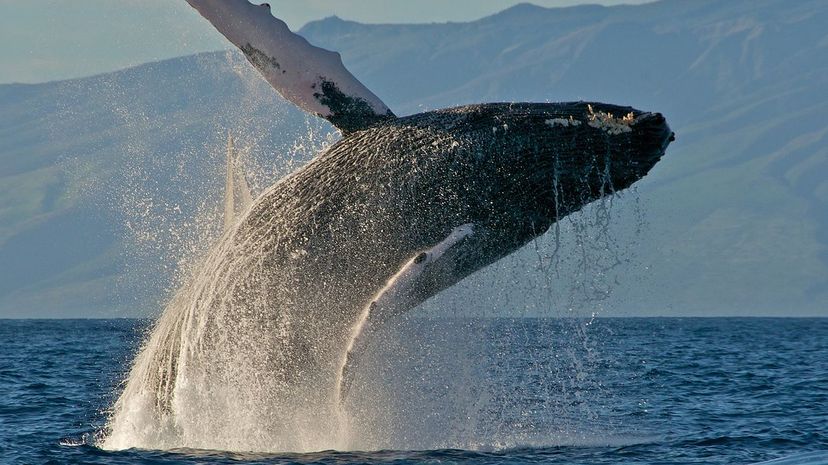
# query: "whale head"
514 169
596 151
540 162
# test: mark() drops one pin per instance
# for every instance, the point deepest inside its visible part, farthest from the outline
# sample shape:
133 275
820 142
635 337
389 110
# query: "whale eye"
421 258
266 5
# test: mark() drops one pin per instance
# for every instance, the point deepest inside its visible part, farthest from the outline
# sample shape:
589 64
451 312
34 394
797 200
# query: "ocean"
480 391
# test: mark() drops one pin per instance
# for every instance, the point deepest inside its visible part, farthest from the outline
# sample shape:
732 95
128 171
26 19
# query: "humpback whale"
270 330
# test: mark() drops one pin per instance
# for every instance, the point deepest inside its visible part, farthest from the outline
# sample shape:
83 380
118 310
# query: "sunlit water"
664 391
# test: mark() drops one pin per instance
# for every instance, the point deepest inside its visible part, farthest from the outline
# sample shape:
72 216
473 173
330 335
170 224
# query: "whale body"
269 331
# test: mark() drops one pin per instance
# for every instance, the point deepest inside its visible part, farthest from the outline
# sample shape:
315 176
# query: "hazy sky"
42 40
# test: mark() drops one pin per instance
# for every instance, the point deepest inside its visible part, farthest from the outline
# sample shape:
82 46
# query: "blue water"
608 391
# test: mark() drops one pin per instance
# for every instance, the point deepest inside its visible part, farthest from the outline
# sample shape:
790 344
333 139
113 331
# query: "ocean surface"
482 391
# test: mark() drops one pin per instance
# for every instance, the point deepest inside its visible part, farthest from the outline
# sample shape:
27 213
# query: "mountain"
106 182
103 179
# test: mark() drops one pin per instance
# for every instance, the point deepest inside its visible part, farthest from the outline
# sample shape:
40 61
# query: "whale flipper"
310 77
422 276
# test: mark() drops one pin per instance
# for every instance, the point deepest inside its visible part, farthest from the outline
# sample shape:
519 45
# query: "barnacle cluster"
563 122
609 123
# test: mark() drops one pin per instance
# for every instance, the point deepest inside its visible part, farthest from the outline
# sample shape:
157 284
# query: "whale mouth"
651 135
663 136
632 142
656 126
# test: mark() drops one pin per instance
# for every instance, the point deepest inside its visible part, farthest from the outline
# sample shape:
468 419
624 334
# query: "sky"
45 40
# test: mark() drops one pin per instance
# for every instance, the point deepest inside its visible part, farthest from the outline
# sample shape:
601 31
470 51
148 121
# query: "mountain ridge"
736 212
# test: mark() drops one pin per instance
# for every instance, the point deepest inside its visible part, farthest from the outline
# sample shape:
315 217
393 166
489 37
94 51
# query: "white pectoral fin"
312 78
421 277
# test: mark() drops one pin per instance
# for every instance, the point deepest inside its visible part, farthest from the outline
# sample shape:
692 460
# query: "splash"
237 195
177 232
